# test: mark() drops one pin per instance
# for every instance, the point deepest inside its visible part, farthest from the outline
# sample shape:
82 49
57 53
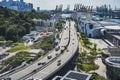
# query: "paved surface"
50 69
3 50
17 75
102 69
100 43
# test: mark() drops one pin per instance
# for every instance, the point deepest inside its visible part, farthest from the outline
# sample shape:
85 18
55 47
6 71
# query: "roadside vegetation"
19 59
95 76
89 53
18 47
15 61
46 44
59 25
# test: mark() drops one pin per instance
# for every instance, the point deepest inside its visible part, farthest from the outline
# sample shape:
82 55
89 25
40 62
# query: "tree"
11 33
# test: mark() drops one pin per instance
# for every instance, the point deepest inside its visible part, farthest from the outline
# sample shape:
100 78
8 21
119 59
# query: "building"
113 68
111 51
73 75
96 27
67 10
59 8
44 25
18 5
81 11
38 9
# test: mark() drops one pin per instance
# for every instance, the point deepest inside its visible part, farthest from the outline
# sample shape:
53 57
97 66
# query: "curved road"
65 57
21 73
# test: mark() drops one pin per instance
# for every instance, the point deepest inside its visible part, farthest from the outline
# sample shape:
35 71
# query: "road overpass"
51 68
17 74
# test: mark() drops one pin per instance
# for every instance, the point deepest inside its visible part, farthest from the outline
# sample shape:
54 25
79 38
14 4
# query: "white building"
45 25
96 28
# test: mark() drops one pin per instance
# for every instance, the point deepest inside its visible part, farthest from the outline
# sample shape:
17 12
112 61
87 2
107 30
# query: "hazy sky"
50 4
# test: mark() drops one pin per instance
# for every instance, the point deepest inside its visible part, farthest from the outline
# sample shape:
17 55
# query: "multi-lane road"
18 74
65 57
51 65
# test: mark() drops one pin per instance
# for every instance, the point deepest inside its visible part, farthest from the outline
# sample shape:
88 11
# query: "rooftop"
73 75
115 27
117 36
113 61
108 23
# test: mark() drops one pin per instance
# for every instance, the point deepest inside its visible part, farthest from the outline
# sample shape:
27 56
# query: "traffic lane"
49 69
29 69
42 74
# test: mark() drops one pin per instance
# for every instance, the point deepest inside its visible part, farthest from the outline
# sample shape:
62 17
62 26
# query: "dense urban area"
59 44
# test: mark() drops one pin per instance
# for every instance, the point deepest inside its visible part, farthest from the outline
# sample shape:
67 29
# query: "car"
57 48
49 56
59 63
67 50
43 63
59 60
39 63
56 54
4 46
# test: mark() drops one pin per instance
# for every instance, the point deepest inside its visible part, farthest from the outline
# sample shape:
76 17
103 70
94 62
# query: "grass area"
18 47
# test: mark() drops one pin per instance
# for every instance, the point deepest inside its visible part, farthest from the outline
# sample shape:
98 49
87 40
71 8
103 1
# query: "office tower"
10 2
56 8
38 9
3 0
68 7
60 7
18 5
21 1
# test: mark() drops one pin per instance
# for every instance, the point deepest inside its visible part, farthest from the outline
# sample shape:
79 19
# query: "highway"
65 57
16 75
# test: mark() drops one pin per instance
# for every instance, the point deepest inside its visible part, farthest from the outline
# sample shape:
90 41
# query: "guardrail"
65 62
60 66
23 67
42 67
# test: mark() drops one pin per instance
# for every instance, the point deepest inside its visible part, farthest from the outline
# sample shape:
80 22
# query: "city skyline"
48 5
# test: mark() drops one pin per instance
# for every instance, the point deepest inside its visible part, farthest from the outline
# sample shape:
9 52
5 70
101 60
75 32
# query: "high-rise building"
68 7
38 9
60 7
3 0
56 8
21 1
18 5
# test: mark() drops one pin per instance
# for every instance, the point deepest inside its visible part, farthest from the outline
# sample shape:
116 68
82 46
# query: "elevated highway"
45 71
18 74
50 69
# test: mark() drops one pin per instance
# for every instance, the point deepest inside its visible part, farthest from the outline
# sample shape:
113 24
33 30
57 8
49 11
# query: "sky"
51 4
